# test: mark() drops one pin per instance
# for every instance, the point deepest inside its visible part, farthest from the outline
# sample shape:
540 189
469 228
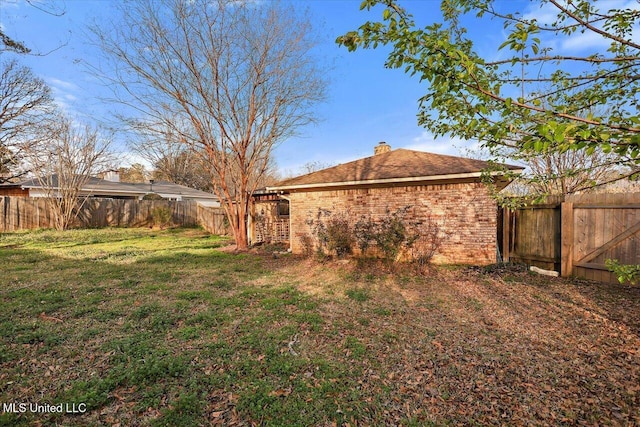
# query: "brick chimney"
112 175
382 147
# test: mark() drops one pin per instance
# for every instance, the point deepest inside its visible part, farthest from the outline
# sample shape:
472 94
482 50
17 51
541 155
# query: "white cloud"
62 84
547 15
65 94
129 158
9 4
585 41
449 146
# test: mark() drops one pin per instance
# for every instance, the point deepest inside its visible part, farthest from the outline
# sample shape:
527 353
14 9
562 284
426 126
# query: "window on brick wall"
283 209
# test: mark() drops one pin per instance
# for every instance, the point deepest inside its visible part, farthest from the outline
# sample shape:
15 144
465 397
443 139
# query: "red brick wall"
464 211
13 192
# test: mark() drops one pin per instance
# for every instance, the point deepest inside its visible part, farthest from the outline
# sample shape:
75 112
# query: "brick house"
444 189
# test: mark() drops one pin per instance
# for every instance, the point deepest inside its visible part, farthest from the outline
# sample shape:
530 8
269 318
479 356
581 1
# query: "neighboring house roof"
166 187
96 186
10 185
393 168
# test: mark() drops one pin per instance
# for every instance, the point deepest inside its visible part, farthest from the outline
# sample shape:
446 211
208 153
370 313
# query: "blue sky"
366 102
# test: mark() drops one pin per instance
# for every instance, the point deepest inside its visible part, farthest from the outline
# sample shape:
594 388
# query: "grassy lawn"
163 328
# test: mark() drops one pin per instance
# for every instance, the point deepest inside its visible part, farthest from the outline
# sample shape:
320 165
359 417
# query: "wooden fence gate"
575 235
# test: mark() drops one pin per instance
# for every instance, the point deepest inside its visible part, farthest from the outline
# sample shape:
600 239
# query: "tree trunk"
242 242
236 213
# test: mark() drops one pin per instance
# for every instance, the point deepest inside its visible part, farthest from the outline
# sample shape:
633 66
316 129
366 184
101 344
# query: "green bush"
161 217
624 272
152 196
364 232
391 234
339 235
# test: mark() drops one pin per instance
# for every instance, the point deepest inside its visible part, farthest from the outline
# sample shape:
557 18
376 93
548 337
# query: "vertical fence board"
532 235
566 226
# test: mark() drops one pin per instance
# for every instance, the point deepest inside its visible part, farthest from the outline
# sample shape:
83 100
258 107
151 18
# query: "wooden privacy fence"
22 213
214 220
574 235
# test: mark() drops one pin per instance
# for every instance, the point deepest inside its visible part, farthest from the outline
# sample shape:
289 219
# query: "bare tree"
26 108
64 166
173 158
184 168
134 173
314 166
237 78
188 165
559 173
10 44
553 172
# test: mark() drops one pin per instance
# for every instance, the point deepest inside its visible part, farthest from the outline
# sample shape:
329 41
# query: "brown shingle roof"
400 164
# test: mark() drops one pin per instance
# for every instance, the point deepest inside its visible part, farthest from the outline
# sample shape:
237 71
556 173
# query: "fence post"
4 211
566 239
506 233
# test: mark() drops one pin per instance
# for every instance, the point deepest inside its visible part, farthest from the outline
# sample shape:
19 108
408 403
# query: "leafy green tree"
536 97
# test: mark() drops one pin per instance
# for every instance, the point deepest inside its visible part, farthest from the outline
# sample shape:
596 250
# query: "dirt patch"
230 248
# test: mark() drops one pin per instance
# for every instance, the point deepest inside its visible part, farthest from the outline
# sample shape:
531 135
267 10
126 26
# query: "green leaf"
538 146
558 137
